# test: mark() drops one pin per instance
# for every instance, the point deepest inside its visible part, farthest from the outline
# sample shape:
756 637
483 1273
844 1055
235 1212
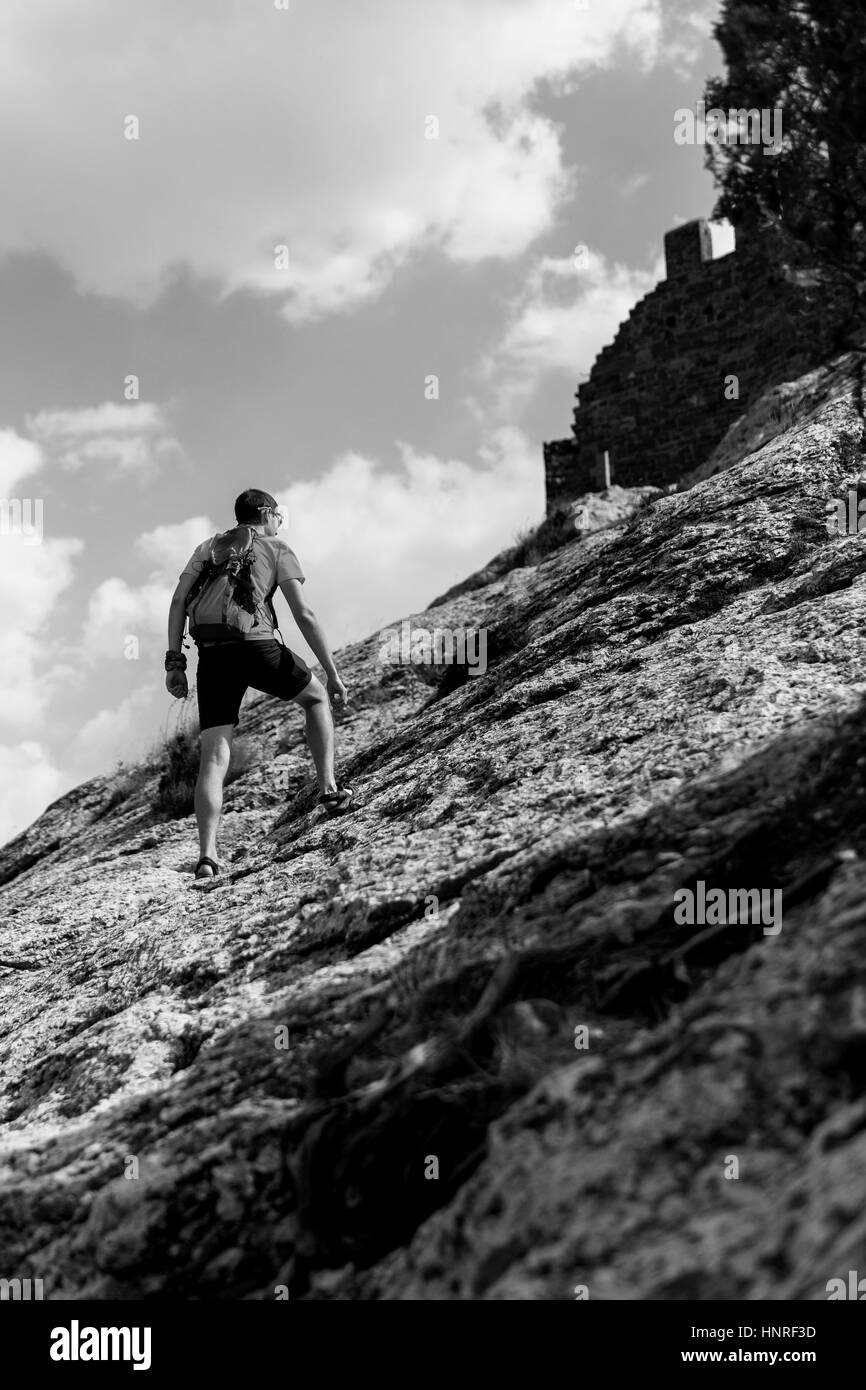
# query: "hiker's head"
257 508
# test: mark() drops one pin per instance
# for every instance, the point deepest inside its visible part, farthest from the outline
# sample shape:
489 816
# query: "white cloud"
306 127
125 733
109 418
168 548
30 576
633 185
33 573
686 34
567 312
23 694
376 543
31 579
30 782
118 610
19 458
131 438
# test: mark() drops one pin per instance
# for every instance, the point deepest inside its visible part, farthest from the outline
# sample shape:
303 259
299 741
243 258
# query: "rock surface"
456 1045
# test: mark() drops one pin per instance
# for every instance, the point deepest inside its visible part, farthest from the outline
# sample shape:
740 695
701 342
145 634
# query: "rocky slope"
457 1046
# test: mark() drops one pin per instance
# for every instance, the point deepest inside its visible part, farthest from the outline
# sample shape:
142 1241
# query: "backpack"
222 603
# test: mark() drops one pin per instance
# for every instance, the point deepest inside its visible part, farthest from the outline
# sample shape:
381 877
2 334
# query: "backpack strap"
201 579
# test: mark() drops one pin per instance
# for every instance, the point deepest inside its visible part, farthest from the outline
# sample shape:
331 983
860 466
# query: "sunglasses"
269 511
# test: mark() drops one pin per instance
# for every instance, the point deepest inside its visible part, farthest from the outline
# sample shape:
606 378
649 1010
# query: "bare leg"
313 699
216 748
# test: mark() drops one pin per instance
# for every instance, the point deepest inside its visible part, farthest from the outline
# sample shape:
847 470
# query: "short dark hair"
250 504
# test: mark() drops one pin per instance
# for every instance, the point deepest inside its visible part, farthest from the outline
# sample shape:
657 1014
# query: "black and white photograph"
433 700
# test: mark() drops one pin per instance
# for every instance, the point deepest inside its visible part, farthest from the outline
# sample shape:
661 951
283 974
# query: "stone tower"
690 357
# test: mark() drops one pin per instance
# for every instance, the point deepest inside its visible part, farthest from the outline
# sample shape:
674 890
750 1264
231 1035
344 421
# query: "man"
227 668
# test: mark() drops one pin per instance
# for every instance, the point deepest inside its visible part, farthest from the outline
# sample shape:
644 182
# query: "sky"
324 248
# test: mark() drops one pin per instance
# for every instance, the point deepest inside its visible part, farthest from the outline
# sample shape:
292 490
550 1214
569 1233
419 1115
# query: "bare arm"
177 612
175 680
309 626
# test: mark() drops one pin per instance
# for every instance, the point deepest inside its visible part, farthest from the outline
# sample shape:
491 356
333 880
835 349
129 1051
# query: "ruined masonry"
656 400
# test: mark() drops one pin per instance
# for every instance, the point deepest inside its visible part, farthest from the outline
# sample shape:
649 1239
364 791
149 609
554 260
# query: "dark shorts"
226 670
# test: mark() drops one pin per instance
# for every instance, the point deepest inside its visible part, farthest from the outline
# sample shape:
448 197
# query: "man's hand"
176 683
337 693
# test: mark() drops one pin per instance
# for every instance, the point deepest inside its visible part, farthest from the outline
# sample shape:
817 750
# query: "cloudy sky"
429 170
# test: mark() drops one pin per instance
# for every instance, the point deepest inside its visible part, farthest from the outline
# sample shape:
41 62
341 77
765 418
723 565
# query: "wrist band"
175 661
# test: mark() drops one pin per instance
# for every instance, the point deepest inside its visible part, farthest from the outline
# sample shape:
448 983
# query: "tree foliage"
808 58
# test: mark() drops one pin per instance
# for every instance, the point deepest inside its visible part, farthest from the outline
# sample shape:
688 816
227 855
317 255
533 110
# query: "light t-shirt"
275 562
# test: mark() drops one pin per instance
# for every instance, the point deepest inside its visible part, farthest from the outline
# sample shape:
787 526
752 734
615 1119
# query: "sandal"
337 803
206 878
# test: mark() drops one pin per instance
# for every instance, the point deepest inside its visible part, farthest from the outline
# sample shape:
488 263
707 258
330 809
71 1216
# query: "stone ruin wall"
655 399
